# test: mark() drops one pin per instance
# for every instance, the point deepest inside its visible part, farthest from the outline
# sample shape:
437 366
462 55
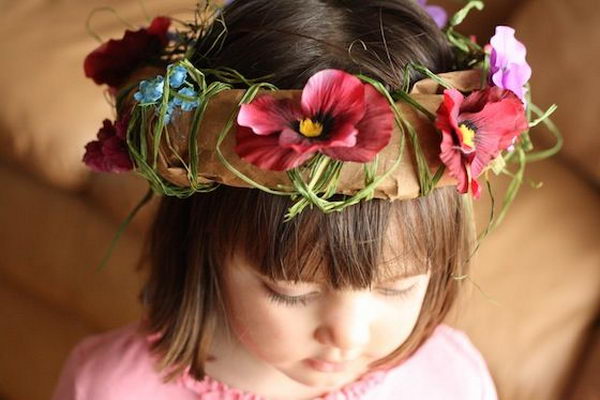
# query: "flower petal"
335 93
291 139
475 189
508 66
110 152
498 124
117 155
159 28
345 138
265 152
438 14
107 131
452 157
507 48
374 130
497 117
447 113
266 115
113 61
94 158
122 124
513 78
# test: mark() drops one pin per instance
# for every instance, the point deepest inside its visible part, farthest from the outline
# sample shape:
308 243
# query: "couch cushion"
56 241
36 338
533 292
566 72
50 110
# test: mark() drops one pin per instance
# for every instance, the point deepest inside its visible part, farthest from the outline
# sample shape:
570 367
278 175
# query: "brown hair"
191 238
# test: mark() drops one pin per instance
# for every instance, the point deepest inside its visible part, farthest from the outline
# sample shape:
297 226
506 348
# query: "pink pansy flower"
508 67
475 130
109 153
338 115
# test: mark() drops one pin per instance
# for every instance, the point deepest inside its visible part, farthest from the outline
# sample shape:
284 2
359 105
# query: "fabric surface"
533 291
54 110
565 73
118 365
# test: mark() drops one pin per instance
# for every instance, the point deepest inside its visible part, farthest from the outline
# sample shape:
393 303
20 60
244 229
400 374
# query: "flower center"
468 130
310 128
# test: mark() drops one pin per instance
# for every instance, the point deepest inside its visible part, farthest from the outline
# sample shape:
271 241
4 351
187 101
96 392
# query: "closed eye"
397 293
287 300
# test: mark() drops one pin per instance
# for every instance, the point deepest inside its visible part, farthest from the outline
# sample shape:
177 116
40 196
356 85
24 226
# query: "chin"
316 379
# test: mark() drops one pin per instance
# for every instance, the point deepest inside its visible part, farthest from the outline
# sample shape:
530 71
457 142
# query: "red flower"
338 116
109 153
476 129
115 60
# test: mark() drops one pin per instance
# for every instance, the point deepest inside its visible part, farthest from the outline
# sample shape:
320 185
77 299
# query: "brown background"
535 318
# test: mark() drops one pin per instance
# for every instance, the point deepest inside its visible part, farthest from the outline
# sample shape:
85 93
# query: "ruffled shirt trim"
211 389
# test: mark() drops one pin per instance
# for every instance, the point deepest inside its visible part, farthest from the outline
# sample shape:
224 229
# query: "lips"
327 366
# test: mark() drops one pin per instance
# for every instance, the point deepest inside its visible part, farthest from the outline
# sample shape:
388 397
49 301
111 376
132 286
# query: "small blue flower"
185 104
170 110
150 91
177 77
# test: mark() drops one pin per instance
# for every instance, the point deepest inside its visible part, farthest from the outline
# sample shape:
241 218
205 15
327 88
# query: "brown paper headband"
402 183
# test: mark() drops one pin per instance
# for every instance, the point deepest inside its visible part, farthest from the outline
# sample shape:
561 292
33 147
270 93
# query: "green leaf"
497 165
122 226
544 117
461 14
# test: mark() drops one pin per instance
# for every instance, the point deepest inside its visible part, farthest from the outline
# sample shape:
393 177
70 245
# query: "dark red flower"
109 153
115 60
476 129
338 116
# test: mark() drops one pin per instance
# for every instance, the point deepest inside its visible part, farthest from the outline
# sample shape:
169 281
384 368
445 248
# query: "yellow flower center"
310 128
468 134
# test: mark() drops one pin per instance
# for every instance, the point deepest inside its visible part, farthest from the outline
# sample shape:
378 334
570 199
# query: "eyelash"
304 300
286 300
397 293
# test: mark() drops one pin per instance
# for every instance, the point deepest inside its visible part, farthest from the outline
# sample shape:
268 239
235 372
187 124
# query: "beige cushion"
36 339
586 385
117 195
539 279
56 241
563 38
481 23
50 110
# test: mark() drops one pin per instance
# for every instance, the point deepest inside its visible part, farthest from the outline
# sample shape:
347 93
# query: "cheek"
395 324
268 330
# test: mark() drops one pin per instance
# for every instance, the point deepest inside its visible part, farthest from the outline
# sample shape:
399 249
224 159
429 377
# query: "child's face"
318 336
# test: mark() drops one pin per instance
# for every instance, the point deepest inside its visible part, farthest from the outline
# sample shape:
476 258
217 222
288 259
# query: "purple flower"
508 67
438 14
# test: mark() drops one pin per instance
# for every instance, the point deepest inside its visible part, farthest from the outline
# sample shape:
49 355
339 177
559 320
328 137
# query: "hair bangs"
353 249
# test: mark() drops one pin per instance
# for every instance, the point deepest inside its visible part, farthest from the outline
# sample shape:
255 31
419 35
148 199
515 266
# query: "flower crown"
342 133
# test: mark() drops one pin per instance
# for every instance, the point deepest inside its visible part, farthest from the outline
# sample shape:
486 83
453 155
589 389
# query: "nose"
346 321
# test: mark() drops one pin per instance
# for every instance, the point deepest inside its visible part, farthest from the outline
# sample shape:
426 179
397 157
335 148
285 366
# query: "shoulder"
114 365
447 366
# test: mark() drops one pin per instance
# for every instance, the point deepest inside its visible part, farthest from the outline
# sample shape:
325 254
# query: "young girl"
242 303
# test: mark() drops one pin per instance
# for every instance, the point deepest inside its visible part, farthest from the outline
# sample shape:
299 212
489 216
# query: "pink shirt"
117 365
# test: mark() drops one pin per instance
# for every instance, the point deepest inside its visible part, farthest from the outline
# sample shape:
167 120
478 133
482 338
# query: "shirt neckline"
354 390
